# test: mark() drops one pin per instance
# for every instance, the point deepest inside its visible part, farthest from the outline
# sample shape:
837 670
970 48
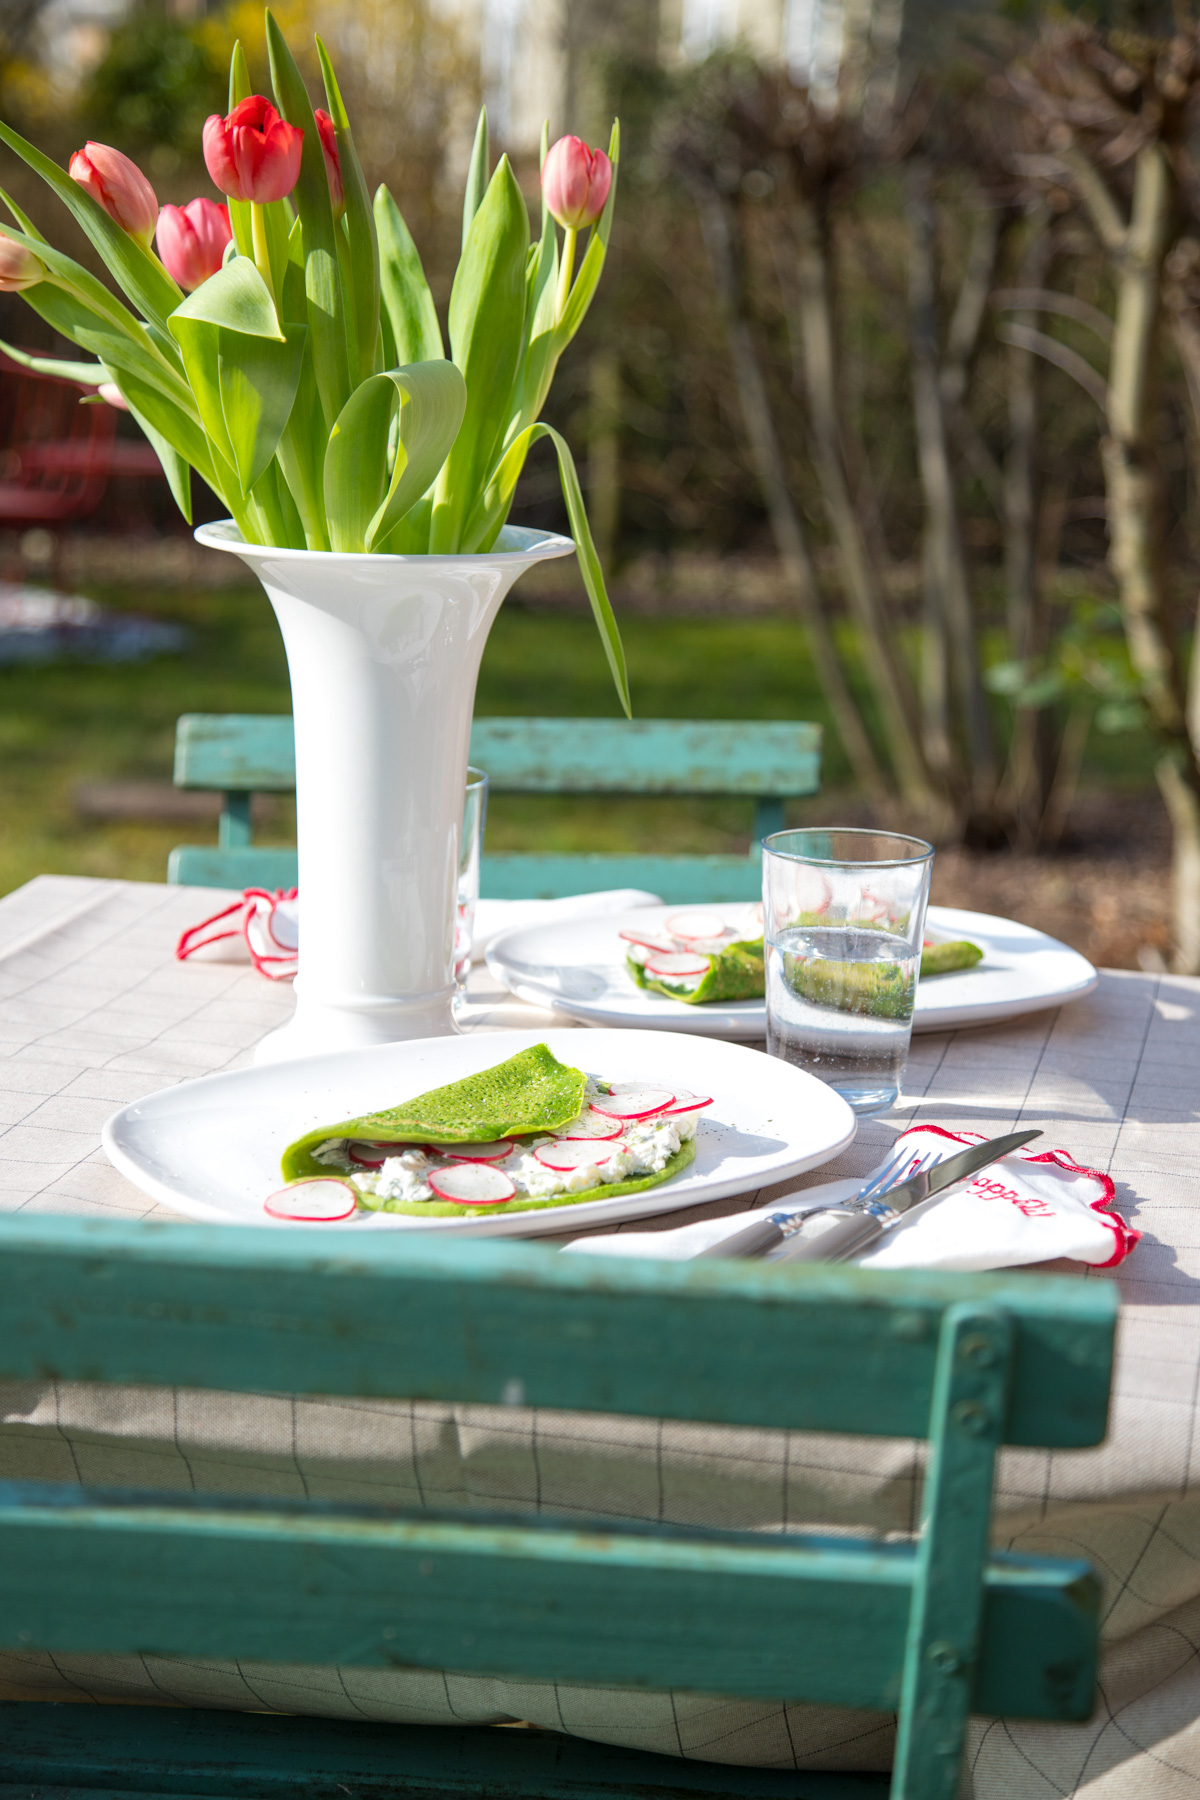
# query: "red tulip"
253 154
192 240
119 186
333 161
575 182
19 267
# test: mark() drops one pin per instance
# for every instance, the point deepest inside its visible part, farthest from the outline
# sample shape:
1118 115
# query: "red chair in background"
57 456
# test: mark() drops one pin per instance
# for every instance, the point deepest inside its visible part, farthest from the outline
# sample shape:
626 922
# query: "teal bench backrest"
768 762
935 1628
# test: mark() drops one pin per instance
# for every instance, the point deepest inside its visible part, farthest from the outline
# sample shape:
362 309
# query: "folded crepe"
532 1095
738 972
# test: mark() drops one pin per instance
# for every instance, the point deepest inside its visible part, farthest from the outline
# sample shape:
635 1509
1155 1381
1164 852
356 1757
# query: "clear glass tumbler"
844 918
470 850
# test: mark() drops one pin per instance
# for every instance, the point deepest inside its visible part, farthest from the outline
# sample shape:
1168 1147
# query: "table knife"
853 1229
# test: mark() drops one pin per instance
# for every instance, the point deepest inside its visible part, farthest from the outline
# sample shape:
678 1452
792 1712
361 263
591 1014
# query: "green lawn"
64 724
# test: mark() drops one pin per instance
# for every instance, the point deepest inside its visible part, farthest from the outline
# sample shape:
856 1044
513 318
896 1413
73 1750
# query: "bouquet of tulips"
285 345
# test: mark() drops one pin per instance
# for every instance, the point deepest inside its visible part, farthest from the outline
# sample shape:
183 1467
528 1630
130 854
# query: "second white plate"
577 967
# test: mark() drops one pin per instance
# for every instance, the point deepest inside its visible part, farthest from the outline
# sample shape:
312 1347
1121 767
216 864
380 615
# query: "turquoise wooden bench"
935 1629
769 762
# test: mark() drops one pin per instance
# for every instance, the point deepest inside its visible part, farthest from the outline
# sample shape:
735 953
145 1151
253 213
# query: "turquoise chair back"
934 1629
764 762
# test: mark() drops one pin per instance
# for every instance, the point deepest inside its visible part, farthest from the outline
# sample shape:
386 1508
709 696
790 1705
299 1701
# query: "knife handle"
846 1234
753 1240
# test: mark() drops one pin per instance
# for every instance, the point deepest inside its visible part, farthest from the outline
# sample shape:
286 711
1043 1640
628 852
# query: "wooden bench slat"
258 1756
683 880
821 1620
648 756
236 752
483 1321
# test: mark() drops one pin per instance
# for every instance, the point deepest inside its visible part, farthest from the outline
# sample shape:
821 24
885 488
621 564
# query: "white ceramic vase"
383 653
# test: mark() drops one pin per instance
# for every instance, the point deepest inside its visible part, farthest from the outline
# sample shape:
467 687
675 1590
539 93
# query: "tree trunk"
946 572
721 237
859 576
1027 788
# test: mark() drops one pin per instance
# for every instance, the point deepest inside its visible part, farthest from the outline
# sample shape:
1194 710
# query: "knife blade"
855 1227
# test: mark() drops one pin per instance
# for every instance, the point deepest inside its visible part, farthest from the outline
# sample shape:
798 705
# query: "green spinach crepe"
738 972
527 1099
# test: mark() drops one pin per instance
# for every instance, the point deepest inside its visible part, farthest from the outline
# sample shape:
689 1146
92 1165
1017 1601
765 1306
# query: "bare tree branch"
1024 337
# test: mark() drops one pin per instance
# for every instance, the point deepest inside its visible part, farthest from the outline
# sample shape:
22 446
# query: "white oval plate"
577 967
211 1148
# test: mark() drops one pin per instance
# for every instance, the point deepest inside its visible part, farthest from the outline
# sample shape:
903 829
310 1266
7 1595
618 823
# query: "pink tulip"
253 154
192 240
19 267
575 182
333 161
111 393
119 186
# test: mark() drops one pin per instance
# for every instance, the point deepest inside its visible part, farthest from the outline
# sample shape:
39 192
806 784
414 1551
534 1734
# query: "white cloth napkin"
494 916
1033 1206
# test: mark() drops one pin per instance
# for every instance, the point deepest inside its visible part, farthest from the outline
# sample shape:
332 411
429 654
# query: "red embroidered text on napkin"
1033 1206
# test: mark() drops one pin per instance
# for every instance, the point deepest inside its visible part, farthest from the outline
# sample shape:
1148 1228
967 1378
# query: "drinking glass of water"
844 919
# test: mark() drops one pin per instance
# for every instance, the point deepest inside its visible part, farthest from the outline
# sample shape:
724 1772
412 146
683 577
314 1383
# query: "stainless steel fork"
770 1230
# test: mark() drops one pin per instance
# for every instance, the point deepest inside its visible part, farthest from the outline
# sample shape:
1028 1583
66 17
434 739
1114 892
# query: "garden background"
888 412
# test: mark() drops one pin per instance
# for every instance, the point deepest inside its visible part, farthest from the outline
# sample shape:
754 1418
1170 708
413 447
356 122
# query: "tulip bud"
19 267
253 154
192 240
120 187
575 183
333 161
112 395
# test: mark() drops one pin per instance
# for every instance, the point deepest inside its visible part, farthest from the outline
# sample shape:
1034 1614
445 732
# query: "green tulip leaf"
240 89
487 320
477 176
362 262
237 298
258 380
139 274
322 277
200 342
361 504
492 511
87 374
416 334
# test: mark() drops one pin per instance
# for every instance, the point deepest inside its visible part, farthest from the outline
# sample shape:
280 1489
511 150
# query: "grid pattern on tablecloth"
94 1012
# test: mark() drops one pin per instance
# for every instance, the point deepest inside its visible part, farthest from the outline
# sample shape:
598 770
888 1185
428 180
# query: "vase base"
314 1030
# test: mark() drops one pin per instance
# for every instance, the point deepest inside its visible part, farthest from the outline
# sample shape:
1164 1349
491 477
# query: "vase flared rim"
223 534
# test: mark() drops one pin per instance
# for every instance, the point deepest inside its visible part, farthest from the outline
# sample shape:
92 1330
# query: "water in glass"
840 1002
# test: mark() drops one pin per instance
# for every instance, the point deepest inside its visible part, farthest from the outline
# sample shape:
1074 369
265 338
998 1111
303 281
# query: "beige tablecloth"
94 1013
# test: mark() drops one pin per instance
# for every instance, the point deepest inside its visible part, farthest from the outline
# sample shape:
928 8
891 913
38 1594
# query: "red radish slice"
685 1102
709 946
681 963
314 1202
372 1155
635 1102
472 1184
648 939
495 1151
690 925
591 1125
572 1153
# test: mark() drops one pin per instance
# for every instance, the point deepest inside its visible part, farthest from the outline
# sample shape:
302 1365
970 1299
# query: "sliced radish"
709 946
685 1102
635 1102
572 1153
494 1151
472 1184
313 1202
680 963
648 940
372 1155
691 925
592 1125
